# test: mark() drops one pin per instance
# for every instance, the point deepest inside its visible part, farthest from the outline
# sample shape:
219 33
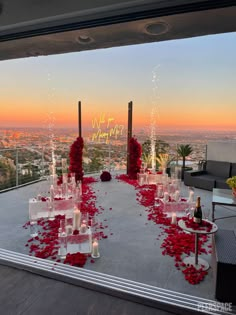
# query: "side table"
197 262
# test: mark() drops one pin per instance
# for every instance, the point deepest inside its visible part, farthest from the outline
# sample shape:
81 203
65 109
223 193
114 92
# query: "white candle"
177 195
166 196
52 192
191 195
83 228
173 218
76 219
95 252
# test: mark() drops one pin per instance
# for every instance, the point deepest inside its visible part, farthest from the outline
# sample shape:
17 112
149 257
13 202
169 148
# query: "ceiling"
45 27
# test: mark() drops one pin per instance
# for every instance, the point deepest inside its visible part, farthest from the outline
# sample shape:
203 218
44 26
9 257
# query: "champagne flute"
206 213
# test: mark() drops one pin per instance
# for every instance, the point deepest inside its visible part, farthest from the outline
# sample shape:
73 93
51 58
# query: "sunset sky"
195 86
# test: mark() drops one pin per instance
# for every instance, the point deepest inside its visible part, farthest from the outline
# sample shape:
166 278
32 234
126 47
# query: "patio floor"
131 250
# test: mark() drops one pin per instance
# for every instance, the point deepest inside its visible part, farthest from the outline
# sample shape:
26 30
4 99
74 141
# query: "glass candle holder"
51 214
76 219
64 178
33 229
83 227
72 178
95 249
64 166
62 238
69 222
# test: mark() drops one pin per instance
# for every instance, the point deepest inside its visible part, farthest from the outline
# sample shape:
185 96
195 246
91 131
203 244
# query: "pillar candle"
83 228
166 196
191 195
177 195
76 219
173 218
52 192
95 251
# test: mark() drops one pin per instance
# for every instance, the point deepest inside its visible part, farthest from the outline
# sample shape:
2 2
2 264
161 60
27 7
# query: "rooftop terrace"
131 250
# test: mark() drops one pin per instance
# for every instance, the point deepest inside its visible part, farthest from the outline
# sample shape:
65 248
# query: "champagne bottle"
197 216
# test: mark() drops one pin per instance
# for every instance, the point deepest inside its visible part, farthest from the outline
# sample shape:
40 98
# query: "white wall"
221 151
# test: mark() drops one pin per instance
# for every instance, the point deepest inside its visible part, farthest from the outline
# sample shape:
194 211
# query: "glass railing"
25 165
21 166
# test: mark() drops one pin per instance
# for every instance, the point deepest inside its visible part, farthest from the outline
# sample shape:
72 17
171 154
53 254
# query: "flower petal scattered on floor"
176 242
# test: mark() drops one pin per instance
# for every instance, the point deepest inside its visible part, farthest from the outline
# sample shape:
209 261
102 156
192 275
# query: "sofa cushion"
204 182
221 183
233 169
218 168
189 177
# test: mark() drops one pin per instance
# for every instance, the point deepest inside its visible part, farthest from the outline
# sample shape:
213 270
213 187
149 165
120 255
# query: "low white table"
222 197
197 262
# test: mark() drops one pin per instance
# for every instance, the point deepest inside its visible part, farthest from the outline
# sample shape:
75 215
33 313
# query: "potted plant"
184 150
163 161
232 184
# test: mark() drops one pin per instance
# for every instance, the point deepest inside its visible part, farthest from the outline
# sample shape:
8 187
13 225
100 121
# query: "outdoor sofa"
213 175
224 265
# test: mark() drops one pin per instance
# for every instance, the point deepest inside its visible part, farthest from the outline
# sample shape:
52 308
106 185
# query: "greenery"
164 160
24 155
183 151
96 158
27 173
161 147
231 182
7 173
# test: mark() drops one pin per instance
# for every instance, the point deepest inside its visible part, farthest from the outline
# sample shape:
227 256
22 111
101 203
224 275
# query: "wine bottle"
197 216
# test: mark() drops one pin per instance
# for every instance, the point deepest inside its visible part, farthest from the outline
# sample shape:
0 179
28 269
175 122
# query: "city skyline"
193 89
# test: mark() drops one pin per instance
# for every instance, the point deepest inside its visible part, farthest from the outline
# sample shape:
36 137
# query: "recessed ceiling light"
157 28
84 39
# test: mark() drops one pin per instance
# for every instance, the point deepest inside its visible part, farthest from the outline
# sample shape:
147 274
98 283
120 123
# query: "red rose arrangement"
105 176
135 152
76 158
